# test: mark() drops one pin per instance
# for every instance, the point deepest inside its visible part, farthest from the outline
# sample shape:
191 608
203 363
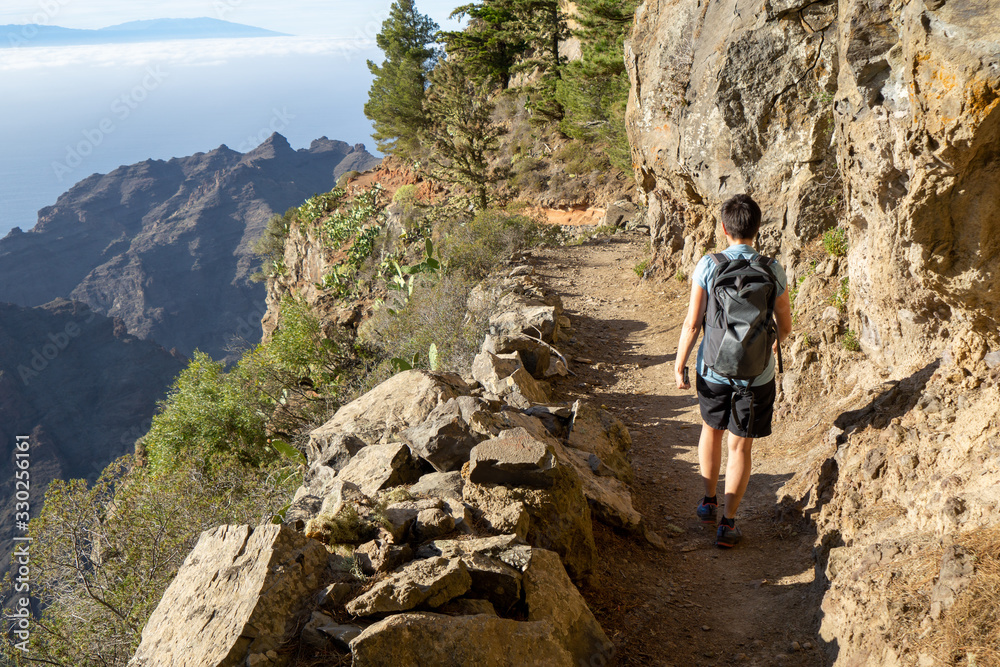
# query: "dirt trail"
695 604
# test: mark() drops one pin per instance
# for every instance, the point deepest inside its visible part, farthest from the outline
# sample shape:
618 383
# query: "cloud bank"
206 52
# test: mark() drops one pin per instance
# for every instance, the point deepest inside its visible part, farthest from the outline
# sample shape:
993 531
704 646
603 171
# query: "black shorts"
749 416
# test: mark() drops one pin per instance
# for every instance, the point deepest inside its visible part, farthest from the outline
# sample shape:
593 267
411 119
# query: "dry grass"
969 632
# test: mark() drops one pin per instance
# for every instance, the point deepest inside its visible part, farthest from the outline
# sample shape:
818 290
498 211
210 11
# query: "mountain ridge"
32 34
80 387
166 245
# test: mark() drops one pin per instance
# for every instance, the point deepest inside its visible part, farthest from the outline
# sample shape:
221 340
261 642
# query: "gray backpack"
739 319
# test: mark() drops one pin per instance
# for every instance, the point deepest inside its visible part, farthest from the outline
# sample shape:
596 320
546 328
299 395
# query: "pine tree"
593 91
396 99
491 43
462 130
505 37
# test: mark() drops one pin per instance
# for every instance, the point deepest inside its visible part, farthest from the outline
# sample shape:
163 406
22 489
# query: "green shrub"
843 293
103 555
578 158
318 207
345 527
347 177
476 247
529 181
835 241
405 194
640 268
850 341
434 314
339 227
527 164
209 415
270 247
280 386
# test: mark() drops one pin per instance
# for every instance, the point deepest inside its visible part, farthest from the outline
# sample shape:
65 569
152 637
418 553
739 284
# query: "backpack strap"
719 258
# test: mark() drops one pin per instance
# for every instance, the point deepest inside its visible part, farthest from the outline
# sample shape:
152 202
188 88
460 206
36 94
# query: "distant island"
157 30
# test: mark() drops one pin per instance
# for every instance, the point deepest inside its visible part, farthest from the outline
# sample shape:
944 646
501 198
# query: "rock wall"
882 117
731 97
879 115
918 134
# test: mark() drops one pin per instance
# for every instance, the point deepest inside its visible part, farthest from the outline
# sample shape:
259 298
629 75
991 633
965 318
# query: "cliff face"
308 260
880 114
166 246
81 387
732 97
918 127
882 117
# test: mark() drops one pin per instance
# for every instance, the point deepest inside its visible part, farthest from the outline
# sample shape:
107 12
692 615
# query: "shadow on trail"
654 605
898 398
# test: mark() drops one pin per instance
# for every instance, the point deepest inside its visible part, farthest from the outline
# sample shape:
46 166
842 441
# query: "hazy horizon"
72 111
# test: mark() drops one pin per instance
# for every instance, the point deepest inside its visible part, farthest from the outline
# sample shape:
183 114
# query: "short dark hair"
741 217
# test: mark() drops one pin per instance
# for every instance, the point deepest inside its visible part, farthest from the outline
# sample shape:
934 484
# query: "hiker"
735 369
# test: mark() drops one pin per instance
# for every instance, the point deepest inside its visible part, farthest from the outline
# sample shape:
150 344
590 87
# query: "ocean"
69 112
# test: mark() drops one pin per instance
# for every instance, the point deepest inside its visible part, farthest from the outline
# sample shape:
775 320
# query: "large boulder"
458 641
241 592
514 574
599 432
610 499
444 441
327 453
377 467
552 597
525 325
514 458
439 485
507 378
332 449
495 565
404 400
558 514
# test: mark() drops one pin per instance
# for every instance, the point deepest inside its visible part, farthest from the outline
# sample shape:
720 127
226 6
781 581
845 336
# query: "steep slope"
166 246
81 387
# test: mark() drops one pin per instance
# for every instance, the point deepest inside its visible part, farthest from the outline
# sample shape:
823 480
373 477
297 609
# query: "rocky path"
695 604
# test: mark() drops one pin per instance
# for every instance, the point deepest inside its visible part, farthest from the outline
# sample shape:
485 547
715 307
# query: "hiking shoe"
706 512
727 536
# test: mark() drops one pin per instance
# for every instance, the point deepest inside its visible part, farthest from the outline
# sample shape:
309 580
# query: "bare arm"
689 333
783 315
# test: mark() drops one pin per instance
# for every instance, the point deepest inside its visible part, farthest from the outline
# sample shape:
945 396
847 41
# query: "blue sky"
237 91
313 18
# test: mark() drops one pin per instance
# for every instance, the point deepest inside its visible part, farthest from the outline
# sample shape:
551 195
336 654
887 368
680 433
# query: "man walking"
729 398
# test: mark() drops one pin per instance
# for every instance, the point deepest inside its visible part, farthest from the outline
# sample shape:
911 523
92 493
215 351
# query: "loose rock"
430 582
